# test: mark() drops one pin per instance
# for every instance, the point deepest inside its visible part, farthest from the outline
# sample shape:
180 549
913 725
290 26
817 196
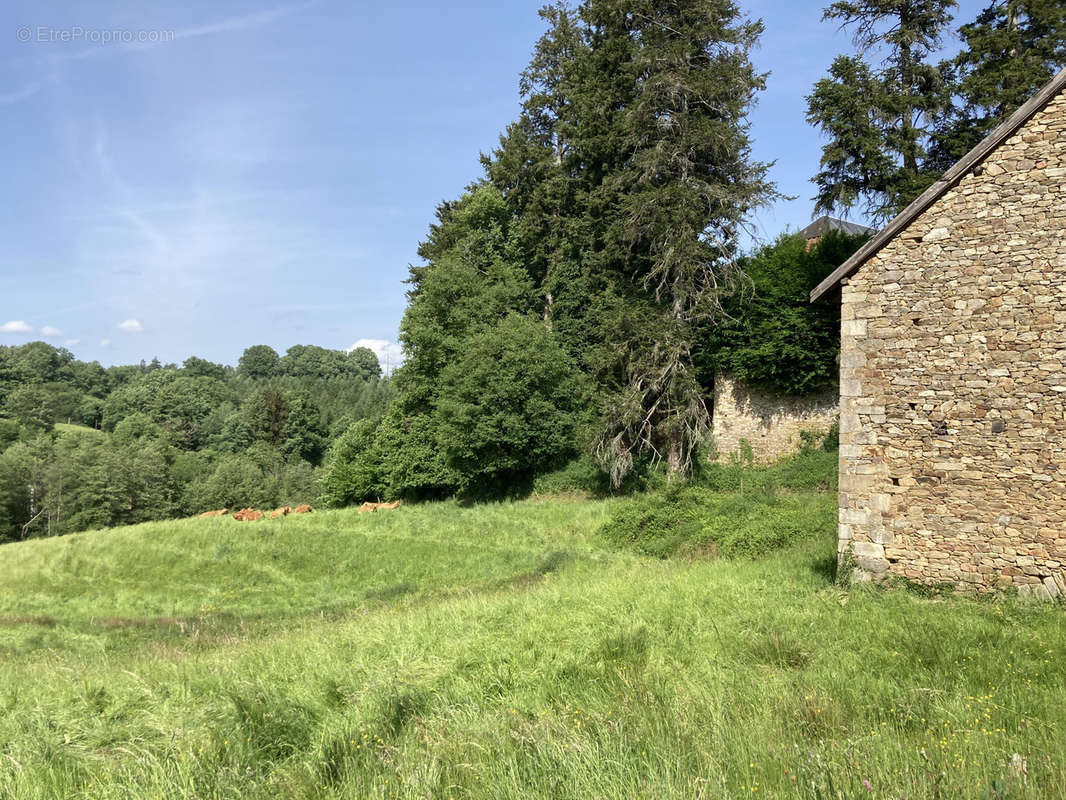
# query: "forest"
572 305
85 447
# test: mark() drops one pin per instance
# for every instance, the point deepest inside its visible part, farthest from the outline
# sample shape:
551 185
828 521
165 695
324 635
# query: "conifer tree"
667 88
617 200
1010 51
876 117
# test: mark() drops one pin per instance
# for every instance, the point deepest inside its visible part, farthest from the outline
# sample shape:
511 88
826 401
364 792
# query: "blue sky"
243 173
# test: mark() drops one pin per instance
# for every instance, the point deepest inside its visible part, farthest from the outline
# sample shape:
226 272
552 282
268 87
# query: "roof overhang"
949 179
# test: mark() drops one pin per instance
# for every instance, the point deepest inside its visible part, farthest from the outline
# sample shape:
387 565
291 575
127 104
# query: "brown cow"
376 506
281 512
220 513
248 515
304 509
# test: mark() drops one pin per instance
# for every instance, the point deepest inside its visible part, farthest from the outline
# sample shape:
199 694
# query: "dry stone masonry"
953 379
770 424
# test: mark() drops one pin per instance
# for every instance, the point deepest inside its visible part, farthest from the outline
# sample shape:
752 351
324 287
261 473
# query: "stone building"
953 371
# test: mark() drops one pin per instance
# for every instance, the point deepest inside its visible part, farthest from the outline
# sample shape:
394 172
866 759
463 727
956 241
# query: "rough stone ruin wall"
770 424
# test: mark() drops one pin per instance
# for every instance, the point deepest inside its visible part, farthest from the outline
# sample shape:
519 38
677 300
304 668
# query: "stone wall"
953 381
771 424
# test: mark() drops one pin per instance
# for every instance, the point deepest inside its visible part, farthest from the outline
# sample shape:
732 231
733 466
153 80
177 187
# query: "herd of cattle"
252 515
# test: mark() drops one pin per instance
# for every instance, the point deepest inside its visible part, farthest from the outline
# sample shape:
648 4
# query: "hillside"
503 651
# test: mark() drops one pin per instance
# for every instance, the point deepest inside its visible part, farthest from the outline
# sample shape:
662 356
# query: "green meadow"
509 650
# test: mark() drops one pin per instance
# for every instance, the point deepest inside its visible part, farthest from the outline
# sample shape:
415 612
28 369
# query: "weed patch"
693 521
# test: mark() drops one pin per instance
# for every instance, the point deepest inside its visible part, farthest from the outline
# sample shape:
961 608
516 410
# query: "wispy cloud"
71 342
228 25
243 23
16 326
53 61
130 326
121 188
49 330
24 93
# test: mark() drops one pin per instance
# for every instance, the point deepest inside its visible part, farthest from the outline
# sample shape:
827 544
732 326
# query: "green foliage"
407 457
876 117
733 509
39 362
611 212
696 522
236 482
773 336
351 474
311 361
178 403
581 475
1010 51
9 433
364 363
164 430
196 367
304 434
28 405
506 404
259 361
892 129
813 468
469 287
670 212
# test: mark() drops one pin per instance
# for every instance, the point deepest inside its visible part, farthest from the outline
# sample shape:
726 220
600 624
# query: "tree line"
83 446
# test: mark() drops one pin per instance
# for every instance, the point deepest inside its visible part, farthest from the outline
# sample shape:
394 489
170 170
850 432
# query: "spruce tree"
876 117
533 167
1010 51
667 89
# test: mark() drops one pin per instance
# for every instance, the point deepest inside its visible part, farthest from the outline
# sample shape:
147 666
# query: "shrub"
694 520
811 469
506 406
351 474
583 474
658 526
773 336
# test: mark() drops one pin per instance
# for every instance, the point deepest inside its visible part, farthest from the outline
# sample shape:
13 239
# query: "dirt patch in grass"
147 622
43 621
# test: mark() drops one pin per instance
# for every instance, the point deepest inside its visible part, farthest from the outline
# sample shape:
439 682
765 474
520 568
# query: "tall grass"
503 652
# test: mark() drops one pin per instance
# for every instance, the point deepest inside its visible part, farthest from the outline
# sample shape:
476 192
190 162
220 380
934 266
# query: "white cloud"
16 326
130 326
390 354
49 330
105 342
71 342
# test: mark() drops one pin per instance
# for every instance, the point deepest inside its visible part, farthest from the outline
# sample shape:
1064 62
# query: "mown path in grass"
504 651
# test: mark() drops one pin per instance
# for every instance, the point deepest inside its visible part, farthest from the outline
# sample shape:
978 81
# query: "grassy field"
506 651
